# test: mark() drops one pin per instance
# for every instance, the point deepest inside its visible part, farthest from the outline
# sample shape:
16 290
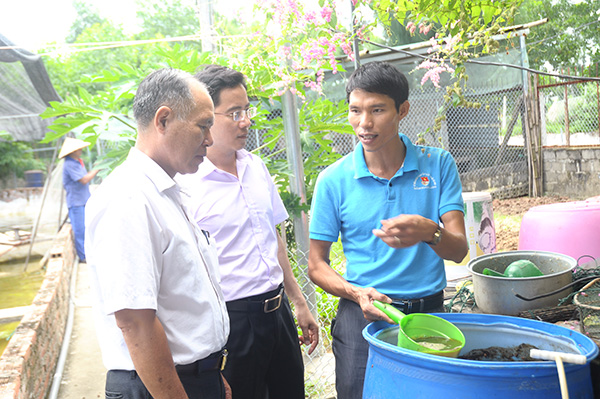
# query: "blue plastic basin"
394 372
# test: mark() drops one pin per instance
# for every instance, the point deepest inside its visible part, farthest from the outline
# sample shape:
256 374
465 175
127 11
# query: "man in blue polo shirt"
399 211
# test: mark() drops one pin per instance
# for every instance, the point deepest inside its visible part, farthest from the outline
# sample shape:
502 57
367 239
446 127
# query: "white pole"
205 12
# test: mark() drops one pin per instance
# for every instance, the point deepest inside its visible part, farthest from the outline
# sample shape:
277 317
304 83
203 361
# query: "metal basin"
497 294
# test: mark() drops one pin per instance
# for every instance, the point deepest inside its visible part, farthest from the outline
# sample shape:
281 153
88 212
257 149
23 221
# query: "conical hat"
71 145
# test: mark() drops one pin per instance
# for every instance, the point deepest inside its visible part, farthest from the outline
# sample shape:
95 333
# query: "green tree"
397 35
287 47
77 67
568 39
167 19
87 16
68 69
16 157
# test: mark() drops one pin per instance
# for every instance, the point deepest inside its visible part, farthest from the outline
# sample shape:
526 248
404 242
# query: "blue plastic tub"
394 372
34 178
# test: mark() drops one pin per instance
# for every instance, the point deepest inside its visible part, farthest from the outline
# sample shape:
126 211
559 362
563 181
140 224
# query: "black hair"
382 78
217 78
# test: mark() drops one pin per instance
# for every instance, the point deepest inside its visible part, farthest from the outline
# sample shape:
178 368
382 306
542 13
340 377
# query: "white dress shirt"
144 253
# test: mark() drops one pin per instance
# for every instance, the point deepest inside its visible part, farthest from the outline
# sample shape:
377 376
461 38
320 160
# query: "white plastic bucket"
480 230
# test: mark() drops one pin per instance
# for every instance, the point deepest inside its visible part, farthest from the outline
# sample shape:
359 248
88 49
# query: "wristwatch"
437 236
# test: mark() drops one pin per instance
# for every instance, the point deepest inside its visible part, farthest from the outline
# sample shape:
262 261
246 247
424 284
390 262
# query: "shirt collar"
410 159
157 175
243 155
207 167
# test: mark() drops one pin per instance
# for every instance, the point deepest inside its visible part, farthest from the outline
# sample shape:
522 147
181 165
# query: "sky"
33 23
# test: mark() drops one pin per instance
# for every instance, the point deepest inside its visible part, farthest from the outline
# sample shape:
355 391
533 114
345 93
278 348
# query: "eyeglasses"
239 115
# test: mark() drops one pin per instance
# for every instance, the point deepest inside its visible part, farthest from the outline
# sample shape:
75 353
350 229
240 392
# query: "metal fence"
570 111
320 366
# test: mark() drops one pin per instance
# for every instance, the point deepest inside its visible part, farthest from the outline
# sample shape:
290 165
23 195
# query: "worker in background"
76 181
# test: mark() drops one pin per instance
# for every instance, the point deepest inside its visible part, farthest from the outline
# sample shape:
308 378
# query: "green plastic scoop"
425 332
518 268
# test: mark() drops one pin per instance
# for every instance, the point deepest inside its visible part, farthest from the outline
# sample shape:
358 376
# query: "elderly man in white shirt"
160 314
234 198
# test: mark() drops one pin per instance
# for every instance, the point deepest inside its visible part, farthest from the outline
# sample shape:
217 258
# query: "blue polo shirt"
77 193
351 201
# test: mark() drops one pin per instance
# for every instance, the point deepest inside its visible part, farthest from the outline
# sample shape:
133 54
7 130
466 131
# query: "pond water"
23 211
20 215
6 332
18 289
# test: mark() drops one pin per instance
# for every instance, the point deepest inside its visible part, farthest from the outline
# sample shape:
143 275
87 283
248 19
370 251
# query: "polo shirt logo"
424 181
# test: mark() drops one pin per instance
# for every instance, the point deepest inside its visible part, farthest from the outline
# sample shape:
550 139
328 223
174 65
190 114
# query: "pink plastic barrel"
569 228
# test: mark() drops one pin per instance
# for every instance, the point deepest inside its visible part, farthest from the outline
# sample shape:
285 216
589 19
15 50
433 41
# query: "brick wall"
571 171
511 178
28 362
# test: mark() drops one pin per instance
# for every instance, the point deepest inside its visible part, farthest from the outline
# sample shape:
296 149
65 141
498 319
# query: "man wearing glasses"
232 196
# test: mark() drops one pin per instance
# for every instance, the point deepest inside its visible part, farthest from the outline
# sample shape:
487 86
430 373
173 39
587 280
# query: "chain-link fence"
320 366
570 112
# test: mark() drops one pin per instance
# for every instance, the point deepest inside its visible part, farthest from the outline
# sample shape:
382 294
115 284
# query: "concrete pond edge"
29 361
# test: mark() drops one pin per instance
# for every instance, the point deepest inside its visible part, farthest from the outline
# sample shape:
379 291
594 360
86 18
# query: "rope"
463 298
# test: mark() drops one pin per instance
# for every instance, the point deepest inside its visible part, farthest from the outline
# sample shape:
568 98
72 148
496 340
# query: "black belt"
267 302
214 361
419 305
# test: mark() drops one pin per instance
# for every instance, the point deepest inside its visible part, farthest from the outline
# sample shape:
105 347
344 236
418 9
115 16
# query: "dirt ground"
508 214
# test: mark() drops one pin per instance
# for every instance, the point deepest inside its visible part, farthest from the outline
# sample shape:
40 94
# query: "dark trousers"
350 349
265 360
123 384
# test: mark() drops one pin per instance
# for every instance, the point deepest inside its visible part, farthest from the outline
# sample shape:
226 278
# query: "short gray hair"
164 87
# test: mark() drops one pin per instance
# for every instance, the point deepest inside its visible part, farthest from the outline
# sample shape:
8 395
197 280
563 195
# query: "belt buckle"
266 307
223 359
404 305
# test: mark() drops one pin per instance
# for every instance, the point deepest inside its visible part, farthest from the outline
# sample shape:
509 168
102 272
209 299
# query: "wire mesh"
320 365
570 113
